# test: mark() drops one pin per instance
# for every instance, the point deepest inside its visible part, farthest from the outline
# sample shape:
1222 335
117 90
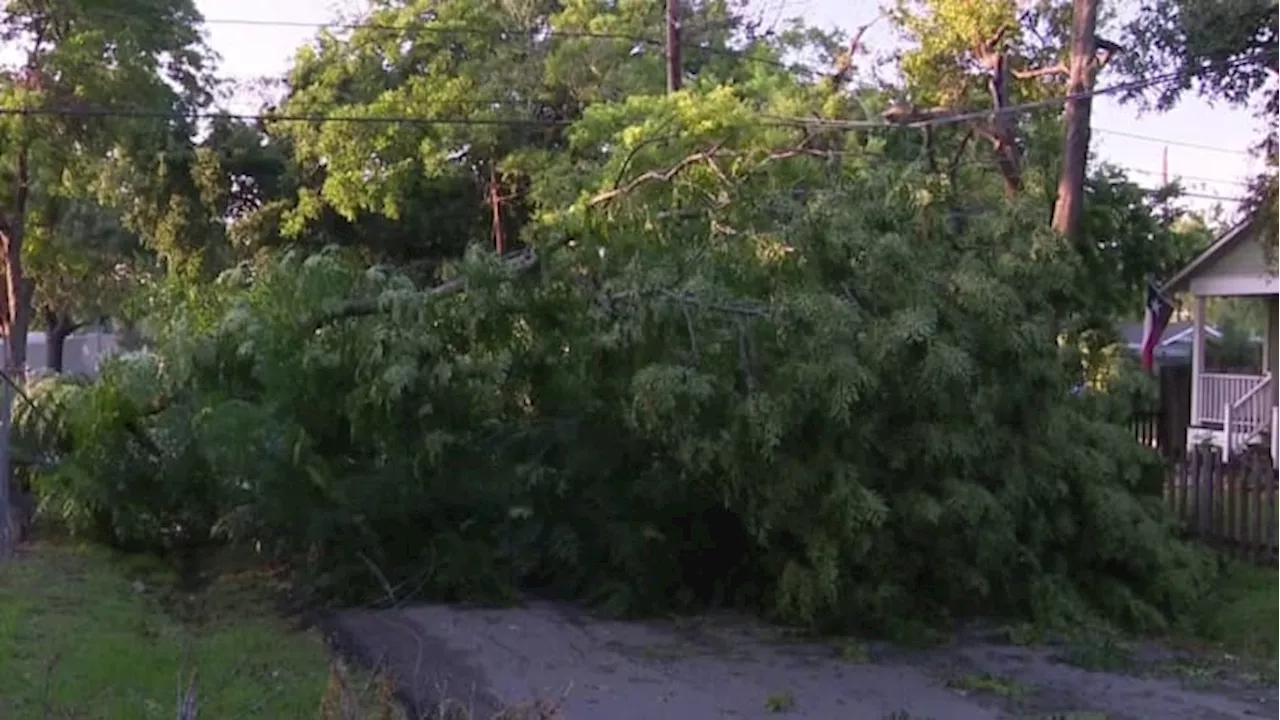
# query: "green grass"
87 634
1241 617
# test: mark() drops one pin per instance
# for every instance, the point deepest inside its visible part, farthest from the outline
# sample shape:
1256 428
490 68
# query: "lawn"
88 634
1242 617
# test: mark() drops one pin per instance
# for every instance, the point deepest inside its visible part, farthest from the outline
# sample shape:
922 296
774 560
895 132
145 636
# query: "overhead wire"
1202 196
1019 108
421 120
427 27
960 117
1191 178
1174 143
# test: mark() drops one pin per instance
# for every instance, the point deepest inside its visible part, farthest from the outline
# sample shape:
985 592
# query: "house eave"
1182 280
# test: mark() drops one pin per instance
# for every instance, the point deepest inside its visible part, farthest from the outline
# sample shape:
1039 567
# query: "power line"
499 122
1192 178
428 27
967 116
86 112
275 117
1202 196
1175 143
422 120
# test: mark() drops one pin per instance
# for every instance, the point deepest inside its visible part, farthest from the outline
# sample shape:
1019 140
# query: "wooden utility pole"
1068 212
675 71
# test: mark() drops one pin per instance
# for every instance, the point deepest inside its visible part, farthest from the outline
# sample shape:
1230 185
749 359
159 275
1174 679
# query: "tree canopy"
478 306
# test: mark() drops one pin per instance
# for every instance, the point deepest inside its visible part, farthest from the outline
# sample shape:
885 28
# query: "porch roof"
1175 333
1220 247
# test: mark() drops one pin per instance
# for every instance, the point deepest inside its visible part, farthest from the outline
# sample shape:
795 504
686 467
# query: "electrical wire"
86 112
512 33
337 25
1202 196
422 120
1192 178
1175 143
1020 108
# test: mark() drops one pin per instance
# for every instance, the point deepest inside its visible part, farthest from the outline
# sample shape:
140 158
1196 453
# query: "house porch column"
1197 356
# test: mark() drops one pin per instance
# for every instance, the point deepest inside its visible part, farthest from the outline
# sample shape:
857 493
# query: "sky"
1206 146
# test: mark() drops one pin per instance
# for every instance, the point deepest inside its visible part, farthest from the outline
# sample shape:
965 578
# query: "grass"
1232 633
87 634
1240 619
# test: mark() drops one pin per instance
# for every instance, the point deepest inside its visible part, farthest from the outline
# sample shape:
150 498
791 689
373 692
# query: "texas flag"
1159 311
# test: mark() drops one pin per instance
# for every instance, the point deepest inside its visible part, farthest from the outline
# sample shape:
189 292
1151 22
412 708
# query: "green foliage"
838 407
741 360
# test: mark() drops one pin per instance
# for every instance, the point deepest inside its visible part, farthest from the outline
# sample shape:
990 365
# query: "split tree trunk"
1068 212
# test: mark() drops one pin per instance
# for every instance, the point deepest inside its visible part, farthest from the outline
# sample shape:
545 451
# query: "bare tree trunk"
1068 212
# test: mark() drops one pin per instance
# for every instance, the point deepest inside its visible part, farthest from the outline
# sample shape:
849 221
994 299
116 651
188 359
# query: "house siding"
1241 270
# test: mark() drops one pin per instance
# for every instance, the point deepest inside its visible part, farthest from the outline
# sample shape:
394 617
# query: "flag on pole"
1159 311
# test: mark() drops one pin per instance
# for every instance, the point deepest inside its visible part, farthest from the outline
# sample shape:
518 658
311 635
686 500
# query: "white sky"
1207 146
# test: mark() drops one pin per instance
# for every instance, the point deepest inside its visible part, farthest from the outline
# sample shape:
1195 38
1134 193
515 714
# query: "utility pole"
1068 211
1164 167
675 70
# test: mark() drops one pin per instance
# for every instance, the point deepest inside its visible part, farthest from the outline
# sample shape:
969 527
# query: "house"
1175 342
81 354
1231 410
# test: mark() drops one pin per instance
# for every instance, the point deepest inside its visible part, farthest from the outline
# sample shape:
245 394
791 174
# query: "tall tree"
74 60
1068 210
491 88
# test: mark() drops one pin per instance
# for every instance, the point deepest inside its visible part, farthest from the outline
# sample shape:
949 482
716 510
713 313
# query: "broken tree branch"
1059 69
655 176
515 263
903 114
843 65
1003 128
1104 50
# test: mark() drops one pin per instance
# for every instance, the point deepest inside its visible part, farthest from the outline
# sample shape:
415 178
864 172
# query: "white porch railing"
1248 416
1218 390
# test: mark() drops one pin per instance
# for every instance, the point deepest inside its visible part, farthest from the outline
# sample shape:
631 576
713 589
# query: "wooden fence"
1230 505
1150 430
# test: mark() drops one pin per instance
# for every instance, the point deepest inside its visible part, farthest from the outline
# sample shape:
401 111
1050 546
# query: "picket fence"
1229 505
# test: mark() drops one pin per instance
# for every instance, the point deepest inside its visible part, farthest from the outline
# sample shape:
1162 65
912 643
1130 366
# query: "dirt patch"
725 666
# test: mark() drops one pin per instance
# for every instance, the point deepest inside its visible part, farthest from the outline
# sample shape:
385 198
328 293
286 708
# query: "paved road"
726 667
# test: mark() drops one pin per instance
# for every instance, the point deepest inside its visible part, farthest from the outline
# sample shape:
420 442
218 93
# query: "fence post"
1271 481
1226 431
1184 469
1275 434
1204 492
1253 507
